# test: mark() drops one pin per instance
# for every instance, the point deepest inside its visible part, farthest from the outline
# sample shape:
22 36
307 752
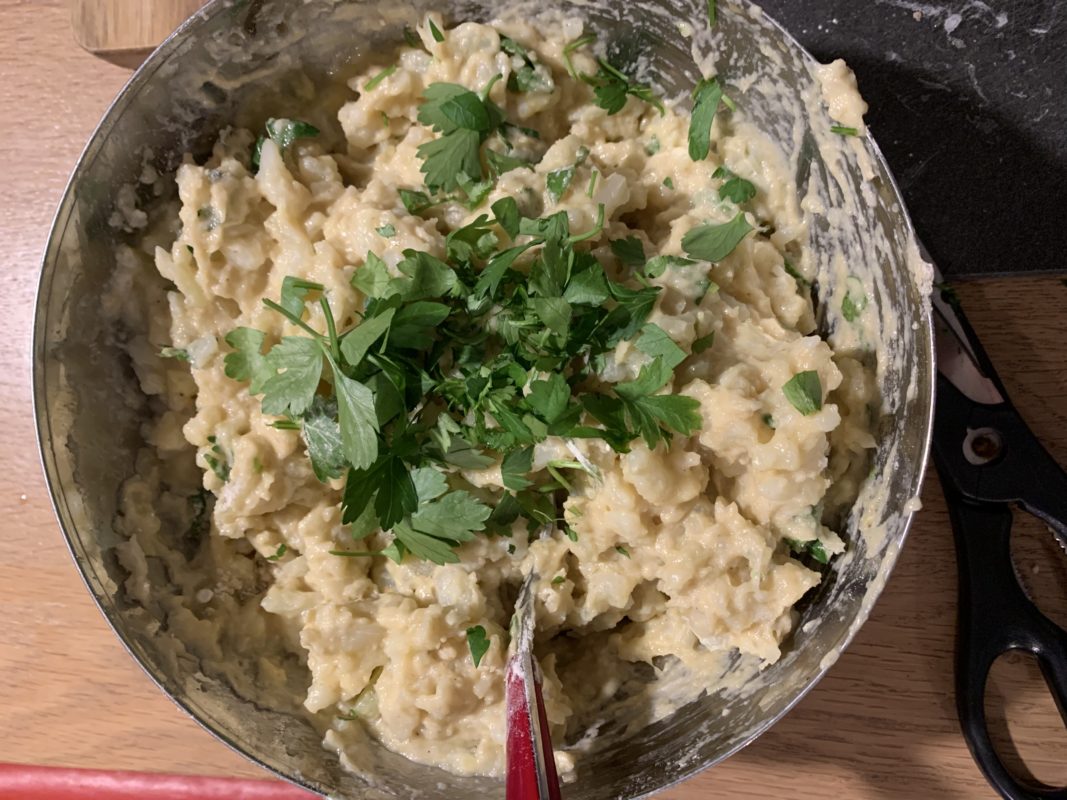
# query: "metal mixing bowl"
230 63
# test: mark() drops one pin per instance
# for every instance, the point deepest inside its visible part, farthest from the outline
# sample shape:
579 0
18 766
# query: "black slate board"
968 101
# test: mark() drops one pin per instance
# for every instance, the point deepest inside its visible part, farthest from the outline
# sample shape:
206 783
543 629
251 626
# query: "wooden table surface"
882 724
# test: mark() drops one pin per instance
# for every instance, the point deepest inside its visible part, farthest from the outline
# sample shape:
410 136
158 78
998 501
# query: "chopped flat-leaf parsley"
177 353
465 120
286 131
706 98
813 548
531 76
804 392
370 85
611 88
478 643
463 361
710 242
216 459
855 300
283 132
734 188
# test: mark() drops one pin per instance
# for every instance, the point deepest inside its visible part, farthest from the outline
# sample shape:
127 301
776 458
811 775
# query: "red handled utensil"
531 767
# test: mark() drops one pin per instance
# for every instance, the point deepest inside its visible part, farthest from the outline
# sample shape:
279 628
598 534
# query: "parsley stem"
589 38
292 318
331 328
484 93
592 183
581 237
356 553
559 478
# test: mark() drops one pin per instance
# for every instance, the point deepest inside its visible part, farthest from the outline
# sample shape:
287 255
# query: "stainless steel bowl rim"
142 76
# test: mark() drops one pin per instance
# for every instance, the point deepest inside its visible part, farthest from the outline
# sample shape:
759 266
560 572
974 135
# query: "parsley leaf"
420 544
499 163
448 107
295 292
291 390
703 343
589 287
476 191
656 343
855 300
286 131
558 182
549 398
713 243
651 378
359 421
455 517
657 265
448 156
804 391
322 436
429 483
515 467
373 277
426 276
415 202
735 189
396 496
247 363
706 97
611 88
478 643
530 76
414 324
814 548
506 213
629 251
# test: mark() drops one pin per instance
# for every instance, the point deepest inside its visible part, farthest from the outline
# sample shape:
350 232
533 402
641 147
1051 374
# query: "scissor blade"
956 361
957 355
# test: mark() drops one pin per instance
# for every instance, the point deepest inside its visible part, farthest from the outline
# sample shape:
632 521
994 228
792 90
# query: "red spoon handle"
531 766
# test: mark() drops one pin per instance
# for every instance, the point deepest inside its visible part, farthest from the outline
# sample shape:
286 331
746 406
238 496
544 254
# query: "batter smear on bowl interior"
513 292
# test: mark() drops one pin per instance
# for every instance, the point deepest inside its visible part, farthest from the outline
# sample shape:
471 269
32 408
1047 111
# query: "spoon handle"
531 771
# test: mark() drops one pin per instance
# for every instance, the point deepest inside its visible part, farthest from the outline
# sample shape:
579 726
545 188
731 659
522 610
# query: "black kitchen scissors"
989 461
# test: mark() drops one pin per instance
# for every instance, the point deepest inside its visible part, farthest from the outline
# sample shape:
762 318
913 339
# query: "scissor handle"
995 617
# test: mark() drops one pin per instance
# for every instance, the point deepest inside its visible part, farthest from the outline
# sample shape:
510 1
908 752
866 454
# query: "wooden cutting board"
108 27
